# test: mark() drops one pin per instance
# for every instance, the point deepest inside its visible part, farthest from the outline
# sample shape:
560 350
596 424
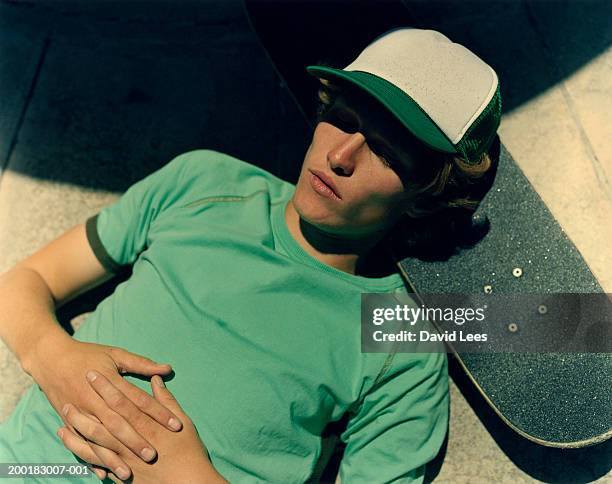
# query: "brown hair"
445 190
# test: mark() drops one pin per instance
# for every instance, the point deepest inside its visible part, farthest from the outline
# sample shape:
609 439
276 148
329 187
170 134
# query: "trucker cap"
443 93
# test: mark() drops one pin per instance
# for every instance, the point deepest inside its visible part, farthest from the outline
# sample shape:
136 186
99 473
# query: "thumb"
163 395
132 363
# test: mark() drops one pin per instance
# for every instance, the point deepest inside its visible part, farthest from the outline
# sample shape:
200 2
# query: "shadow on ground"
98 94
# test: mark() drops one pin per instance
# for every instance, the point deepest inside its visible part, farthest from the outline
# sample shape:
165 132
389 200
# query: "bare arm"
33 289
29 294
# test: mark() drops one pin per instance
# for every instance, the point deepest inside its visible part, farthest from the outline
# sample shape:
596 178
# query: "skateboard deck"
557 399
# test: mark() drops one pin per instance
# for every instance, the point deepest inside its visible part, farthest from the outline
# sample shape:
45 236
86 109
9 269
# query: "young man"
250 287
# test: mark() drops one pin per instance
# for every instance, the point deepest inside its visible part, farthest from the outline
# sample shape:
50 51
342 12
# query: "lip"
327 181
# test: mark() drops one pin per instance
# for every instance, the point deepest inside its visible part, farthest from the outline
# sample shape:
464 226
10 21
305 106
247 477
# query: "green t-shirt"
263 338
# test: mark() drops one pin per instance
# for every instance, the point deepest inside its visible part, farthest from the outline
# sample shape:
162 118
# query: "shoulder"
214 162
218 167
212 173
405 372
425 362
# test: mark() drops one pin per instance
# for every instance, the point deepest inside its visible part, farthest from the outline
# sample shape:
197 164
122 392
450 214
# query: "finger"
146 404
111 461
151 406
114 478
78 446
90 415
81 448
161 393
99 472
122 417
90 429
133 363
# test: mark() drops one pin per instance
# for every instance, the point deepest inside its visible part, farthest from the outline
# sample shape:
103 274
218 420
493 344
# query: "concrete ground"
97 94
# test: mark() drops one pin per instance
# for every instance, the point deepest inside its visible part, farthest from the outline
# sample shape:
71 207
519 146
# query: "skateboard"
547 393
557 399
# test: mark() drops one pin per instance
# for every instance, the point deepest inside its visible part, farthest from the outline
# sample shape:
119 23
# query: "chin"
317 214
313 209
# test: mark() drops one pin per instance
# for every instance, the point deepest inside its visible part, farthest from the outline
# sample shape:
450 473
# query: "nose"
341 157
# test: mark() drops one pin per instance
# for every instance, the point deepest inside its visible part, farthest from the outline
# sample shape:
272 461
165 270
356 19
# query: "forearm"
27 313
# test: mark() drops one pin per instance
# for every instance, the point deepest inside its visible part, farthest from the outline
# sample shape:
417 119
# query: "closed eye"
341 119
382 153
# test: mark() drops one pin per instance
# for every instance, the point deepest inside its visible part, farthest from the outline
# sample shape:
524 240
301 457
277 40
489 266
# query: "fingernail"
91 376
174 424
60 433
65 409
122 472
147 453
160 381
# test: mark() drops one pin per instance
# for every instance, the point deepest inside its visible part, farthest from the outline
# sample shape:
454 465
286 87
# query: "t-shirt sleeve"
401 422
118 233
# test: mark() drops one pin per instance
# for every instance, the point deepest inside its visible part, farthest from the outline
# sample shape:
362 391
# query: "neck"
341 252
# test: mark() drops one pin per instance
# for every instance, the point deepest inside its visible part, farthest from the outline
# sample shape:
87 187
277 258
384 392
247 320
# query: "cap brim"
400 104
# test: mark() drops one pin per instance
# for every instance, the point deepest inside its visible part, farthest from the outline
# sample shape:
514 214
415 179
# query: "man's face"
352 182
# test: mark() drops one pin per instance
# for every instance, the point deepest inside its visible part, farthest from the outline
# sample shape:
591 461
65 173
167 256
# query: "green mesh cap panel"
481 133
